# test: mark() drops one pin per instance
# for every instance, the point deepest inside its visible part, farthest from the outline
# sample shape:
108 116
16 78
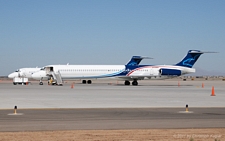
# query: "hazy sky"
44 32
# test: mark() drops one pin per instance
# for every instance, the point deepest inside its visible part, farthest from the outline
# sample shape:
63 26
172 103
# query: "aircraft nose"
12 75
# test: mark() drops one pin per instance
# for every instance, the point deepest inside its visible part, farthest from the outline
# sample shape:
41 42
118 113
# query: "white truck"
20 80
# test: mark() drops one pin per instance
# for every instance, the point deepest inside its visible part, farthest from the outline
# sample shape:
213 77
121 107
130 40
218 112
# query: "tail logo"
188 61
132 64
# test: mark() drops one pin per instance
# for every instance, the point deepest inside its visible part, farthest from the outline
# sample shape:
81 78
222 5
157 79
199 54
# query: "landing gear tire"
135 83
127 82
14 83
89 82
84 81
41 83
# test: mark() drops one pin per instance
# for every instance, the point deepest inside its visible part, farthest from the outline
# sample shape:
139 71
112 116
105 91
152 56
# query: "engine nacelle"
170 72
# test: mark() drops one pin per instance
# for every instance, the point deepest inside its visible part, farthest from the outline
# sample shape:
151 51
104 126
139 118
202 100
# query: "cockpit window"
17 71
43 68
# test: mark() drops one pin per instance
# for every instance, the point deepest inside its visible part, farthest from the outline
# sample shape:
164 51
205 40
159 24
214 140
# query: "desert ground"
211 134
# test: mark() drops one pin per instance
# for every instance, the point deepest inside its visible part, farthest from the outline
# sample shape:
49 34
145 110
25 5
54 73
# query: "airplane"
134 61
132 71
24 72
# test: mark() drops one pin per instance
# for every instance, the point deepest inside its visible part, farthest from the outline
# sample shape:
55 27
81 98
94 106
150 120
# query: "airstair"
57 77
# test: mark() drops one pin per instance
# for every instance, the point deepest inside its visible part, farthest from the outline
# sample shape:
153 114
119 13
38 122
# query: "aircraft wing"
131 77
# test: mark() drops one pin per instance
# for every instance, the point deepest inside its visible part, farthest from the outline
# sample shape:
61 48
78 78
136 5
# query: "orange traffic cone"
213 92
72 86
202 85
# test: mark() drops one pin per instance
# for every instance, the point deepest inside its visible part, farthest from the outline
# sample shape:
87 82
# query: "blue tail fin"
190 59
135 60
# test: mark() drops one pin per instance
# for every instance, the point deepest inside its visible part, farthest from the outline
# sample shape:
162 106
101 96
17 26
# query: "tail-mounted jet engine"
170 72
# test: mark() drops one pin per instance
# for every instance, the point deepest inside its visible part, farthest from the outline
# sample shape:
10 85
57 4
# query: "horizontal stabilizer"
193 52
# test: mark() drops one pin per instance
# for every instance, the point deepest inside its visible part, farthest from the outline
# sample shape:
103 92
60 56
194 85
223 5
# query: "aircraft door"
49 70
151 71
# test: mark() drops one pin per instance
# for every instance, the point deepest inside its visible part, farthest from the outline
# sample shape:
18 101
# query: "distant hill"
201 72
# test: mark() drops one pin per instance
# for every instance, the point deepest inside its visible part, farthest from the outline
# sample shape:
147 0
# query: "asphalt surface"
103 105
115 118
112 95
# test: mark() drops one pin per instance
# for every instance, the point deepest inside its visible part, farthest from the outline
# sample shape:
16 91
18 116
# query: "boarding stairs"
57 77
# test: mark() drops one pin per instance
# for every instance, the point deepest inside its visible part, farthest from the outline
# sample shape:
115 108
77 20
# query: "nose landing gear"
40 83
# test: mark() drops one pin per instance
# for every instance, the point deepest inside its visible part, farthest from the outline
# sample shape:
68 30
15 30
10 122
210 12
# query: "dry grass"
118 135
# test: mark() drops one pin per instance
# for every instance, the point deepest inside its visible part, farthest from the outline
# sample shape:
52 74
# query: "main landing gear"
134 83
86 82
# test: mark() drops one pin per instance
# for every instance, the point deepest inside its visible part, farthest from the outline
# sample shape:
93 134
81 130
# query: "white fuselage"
88 71
121 72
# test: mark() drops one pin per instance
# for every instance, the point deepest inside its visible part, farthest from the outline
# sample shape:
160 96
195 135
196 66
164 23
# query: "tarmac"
111 105
115 94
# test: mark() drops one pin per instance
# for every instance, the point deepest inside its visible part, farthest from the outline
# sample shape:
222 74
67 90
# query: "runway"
100 119
151 105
